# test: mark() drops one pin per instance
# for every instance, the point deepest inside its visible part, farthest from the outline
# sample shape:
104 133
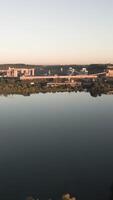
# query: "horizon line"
55 64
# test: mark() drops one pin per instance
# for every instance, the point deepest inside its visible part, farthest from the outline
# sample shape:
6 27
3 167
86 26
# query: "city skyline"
56 32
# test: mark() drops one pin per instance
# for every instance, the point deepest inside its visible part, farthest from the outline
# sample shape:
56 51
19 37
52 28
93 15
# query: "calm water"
56 143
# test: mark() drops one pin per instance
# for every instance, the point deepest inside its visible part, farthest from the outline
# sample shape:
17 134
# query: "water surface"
56 143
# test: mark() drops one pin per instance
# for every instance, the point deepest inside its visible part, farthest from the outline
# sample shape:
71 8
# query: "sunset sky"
56 31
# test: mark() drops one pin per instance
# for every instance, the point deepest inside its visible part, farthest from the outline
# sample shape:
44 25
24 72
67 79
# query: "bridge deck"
59 77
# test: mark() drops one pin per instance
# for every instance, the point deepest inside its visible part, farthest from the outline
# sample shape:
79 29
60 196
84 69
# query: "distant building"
71 70
17 72
109 71
61 69
84 70
49 72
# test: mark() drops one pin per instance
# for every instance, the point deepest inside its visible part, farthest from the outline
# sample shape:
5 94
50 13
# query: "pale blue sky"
56 31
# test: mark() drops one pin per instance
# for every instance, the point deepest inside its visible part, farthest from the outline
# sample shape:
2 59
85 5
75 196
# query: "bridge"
93 76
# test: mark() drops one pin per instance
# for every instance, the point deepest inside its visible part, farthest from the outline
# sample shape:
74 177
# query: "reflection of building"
17 72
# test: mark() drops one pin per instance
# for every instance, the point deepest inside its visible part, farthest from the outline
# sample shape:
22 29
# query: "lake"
52 144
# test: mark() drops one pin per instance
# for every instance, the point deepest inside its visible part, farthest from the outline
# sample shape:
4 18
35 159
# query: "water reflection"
66 196
56 143
69 197
111 197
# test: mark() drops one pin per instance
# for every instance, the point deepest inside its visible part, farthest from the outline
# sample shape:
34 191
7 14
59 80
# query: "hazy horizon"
42 32
20 63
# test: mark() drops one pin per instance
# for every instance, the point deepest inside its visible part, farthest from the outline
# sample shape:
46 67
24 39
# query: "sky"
56 31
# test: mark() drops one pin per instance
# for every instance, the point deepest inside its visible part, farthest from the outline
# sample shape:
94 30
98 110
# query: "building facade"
18 72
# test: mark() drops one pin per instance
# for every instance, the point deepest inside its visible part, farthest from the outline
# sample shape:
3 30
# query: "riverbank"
26 88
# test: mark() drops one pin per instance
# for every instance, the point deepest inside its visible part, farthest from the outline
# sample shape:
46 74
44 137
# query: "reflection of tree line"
64 197
69 197
96 88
